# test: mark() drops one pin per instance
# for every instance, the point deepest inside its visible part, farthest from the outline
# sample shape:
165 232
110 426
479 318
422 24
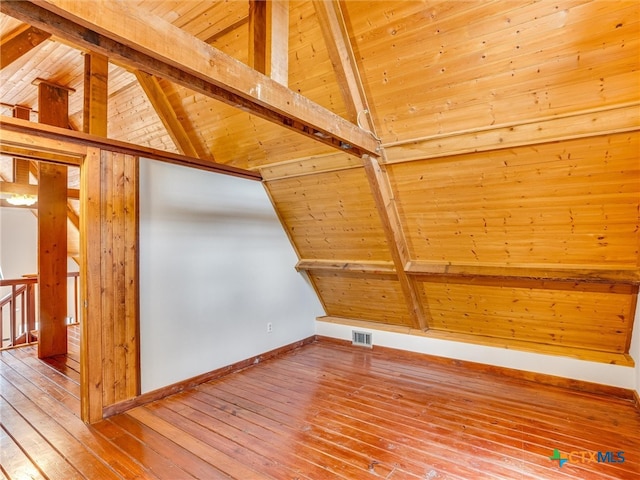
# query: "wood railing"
18 309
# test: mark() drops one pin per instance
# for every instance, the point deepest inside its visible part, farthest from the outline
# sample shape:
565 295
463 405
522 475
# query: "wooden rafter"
346 70
73 216
344 64
15 44
385 204
125 33
234 26
185 143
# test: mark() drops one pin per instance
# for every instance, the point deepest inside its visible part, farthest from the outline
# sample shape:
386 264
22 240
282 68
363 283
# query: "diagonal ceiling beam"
342 58
123 32
346 69
18 42
167 114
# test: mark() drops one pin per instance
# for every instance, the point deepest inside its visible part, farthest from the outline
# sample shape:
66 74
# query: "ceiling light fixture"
20 200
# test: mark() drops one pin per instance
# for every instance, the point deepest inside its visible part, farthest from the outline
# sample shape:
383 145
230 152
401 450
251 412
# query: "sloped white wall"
215 267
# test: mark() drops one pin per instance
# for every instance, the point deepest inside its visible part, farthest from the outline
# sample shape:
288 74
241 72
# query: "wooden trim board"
69 146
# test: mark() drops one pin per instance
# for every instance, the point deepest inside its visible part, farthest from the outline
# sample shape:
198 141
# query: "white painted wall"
18 242
602 373
19 253
215 267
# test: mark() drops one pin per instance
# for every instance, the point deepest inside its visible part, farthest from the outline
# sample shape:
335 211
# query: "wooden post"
92 326
269 38
53 103
96 73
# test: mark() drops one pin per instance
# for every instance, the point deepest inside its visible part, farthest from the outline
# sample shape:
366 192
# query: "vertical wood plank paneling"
108 284
131 278
120 279
118 224
110 341
91 346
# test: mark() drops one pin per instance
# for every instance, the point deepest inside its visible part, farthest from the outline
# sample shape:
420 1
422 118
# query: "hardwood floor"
324 411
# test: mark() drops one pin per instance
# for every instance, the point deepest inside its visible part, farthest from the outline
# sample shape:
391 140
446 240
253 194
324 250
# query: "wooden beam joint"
134 43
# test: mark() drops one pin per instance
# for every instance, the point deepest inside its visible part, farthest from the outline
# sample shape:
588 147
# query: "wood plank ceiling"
502 204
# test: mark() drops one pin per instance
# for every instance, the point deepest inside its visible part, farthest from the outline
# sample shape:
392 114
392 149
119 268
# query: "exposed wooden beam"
167 114
36 141
398 246
18 42
10 145
28 189
606 120
343 60
123 32
578 273
269 38
375 268
73 216
331 162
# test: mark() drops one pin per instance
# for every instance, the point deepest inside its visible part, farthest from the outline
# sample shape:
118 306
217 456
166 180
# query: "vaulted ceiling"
498 202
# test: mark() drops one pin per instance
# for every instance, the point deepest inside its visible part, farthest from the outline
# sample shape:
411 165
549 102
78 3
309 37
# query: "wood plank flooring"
324 411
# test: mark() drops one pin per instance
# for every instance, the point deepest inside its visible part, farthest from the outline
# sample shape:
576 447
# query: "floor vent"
362 339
